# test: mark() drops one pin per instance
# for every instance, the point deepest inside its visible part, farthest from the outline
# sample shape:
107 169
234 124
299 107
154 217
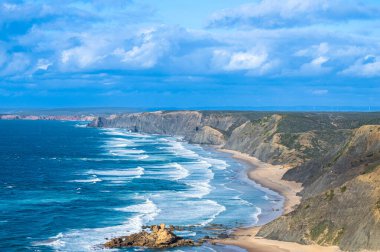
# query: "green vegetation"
318 230
338 236
289 140
325 233
377 205
329 195
343 189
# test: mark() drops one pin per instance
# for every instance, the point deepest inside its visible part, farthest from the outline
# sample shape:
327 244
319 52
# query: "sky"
189 54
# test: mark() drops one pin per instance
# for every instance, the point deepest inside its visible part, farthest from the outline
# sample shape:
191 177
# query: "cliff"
334 155
342 206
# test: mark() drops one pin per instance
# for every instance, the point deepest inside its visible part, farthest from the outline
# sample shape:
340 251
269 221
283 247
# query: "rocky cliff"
342 206
336 156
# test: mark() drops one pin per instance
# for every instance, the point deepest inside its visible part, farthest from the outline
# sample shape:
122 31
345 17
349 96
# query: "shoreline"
269 176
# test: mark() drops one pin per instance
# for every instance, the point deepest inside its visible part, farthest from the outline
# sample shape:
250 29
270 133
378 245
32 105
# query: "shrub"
343 189
330 194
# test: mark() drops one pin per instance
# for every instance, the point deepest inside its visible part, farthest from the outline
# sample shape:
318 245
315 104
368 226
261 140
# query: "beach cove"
270 176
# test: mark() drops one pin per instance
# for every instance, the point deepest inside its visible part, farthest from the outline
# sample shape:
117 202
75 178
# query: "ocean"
66 187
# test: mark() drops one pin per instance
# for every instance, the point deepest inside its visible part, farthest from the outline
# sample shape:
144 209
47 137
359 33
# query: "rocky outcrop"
158 237
208 135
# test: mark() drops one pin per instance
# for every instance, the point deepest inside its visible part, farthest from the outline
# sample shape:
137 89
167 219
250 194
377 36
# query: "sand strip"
270 176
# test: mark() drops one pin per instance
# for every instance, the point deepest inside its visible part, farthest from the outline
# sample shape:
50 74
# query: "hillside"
334 155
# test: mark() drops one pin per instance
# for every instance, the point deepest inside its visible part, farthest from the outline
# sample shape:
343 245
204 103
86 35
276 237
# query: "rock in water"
159 237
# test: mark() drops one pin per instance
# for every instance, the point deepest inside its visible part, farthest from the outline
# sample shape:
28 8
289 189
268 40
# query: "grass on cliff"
329 195
325 233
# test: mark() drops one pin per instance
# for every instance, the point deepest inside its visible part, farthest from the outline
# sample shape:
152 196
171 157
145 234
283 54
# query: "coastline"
269 176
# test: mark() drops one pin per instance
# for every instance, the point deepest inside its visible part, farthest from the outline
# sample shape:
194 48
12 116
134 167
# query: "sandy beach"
270 176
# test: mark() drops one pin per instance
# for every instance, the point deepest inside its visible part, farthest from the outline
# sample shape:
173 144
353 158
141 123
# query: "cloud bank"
121 46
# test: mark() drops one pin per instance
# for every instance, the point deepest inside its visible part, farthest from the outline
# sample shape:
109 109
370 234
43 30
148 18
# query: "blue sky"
213 53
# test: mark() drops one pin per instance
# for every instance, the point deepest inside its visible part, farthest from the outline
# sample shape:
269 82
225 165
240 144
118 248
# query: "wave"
199 189
173 171
91 180
189 212
80 125
256 215
182 171
242 201
148 207
121 132
119 143
217 163
127 172
132 157
125 152
178 149
54 241
91 239
219 209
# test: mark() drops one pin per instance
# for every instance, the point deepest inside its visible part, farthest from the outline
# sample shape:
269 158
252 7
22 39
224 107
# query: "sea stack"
158 237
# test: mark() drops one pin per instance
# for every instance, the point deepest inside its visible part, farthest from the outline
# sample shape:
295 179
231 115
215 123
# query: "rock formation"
158 237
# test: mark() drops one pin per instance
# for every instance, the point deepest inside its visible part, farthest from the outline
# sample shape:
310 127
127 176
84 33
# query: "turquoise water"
65 187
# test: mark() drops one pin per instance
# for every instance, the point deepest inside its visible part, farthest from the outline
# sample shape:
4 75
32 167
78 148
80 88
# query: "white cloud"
318 62
146 54
369 66
315 50
290 13
315 67
16 63
43 64
242 60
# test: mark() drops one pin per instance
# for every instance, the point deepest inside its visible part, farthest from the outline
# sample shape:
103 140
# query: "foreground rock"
159 237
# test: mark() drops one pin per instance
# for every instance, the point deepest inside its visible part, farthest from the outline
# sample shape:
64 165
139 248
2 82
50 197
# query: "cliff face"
343 205
335 156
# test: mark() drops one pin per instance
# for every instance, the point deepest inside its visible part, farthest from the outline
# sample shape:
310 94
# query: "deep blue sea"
65 187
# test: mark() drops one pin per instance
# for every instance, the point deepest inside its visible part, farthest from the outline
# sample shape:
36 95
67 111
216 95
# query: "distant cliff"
335 155
48 117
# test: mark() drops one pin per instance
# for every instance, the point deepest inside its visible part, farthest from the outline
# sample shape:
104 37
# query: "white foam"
119 143
172 171
92 180
256 215
178 149
125 152
122 132
182 171
199 189
142 157
132 157
80 125
189 212
90 239
127 172
242 201
148 208
219 209
217 163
